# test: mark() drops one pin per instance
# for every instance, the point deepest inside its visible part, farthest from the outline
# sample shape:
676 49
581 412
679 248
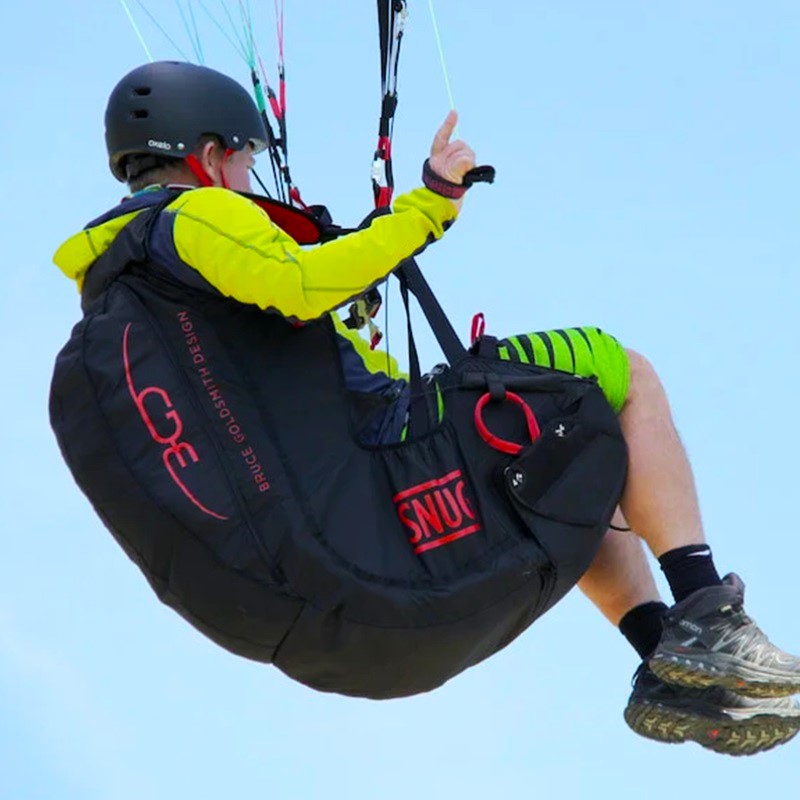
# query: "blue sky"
647 158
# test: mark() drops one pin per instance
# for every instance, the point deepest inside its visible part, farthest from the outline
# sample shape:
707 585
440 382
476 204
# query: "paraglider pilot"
254 457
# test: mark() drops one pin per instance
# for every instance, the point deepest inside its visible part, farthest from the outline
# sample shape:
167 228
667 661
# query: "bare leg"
660 500
619 578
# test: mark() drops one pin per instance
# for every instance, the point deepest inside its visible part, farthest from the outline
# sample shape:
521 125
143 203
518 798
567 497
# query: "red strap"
226 155
383 198
197 170
436 183
384 148
294 194
478 327
504 446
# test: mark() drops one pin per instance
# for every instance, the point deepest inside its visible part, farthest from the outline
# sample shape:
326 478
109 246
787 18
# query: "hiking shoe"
715 718
708 640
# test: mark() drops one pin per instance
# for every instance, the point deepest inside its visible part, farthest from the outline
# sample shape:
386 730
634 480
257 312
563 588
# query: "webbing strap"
444 332
391 16
129 247
412 280
419 421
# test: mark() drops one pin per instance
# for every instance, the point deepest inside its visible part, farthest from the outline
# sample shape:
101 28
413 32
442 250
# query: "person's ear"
211 161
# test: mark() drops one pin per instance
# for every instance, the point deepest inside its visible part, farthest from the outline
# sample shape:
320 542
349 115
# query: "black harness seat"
219 446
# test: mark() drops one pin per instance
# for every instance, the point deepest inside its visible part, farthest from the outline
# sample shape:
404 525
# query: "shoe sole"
715 669
742 738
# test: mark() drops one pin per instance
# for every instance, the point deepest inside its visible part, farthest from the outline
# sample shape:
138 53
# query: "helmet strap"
197 170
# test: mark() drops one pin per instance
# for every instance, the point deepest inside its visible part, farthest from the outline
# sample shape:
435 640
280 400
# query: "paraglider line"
136 30
237 46
196 34
234 29
279 20
192 40
160 27
442 58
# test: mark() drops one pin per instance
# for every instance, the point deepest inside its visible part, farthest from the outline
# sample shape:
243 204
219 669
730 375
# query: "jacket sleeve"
233 244
375 362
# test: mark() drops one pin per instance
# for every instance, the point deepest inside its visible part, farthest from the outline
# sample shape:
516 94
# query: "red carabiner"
504 446
478 327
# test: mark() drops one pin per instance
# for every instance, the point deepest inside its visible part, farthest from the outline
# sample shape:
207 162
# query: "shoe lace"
737 614
740 632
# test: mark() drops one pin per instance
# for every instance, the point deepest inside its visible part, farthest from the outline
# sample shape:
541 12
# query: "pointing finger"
444 133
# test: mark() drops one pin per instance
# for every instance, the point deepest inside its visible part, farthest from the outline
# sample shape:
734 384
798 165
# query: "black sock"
641 626
688 569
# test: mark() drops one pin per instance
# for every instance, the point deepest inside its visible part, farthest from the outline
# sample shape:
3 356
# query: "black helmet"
162 109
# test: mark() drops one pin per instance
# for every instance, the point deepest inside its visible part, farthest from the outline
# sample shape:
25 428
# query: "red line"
127 363
182 486
447 539
132 389
451 476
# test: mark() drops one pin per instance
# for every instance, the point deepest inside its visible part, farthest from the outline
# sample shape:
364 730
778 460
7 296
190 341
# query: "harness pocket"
571 474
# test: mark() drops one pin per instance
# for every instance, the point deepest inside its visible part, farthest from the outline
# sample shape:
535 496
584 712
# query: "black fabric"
485 346
642 627
446 336
688 569
129 249
483 174
217 444
420 421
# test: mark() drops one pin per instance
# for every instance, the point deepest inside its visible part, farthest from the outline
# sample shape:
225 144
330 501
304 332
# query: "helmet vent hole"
140 113
142 91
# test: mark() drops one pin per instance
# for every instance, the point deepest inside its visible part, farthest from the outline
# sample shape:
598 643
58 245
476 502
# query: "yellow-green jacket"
213 237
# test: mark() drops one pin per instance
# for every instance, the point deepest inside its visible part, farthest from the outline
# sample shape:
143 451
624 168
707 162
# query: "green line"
248 31
442 59
235 45
188 30
540 355
225 8
136 30
523 356
163 32
201 54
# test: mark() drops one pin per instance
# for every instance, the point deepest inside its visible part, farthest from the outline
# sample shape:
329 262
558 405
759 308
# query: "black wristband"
435 183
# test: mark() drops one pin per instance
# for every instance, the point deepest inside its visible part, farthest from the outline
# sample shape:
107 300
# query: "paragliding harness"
219 445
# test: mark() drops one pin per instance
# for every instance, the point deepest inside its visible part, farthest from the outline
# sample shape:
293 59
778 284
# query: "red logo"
176 454
437 512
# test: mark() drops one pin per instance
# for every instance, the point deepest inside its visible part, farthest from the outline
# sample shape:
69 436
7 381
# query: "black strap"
390 15
411 280
483 174
546 382
419 421
454 351
130 246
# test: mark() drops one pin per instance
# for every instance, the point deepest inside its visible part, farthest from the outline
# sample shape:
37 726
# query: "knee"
643 378
639 365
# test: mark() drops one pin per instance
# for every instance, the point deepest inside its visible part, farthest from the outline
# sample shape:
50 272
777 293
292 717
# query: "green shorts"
587 352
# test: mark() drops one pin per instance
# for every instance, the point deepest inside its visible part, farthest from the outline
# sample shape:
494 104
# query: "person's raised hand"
450 160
